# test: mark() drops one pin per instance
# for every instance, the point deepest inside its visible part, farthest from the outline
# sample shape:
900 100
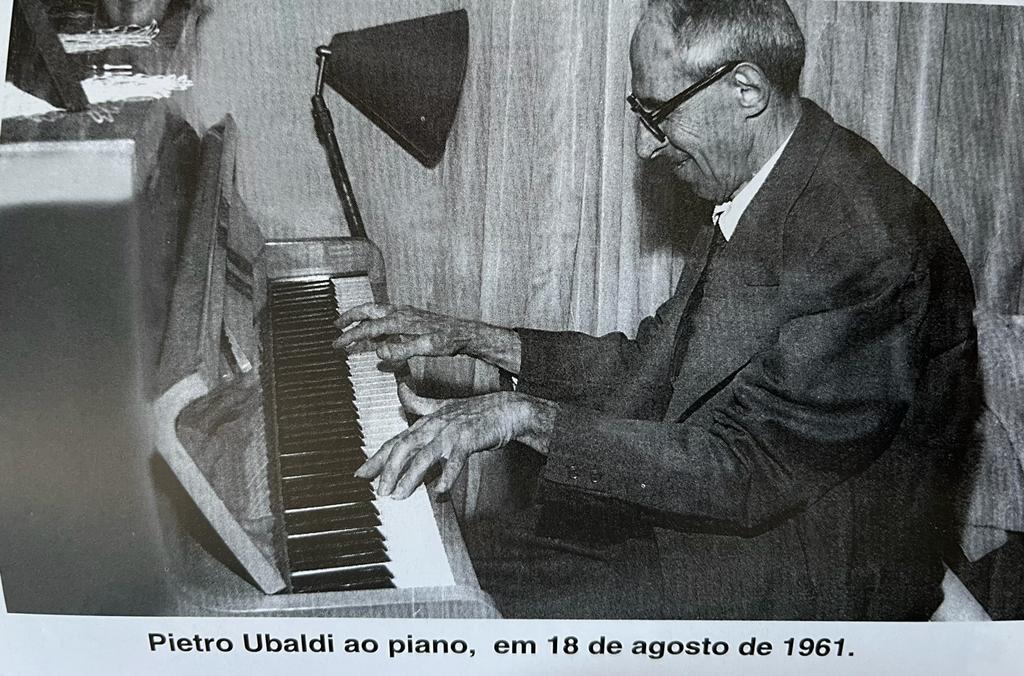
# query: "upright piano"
260 423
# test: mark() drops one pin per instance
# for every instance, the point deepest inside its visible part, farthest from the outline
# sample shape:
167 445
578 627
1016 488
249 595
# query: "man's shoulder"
853 192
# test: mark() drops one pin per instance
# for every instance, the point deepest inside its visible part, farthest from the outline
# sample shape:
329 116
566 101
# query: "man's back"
864 541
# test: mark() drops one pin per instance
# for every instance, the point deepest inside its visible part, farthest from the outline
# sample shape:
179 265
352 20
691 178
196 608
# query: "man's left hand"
452 430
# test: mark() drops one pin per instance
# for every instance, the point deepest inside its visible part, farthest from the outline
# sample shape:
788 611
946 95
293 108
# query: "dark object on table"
138 12
38 63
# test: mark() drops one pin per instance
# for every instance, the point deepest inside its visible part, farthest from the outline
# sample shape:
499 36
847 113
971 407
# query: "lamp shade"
406 77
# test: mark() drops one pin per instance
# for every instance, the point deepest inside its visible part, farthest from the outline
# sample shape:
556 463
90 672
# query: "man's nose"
647 147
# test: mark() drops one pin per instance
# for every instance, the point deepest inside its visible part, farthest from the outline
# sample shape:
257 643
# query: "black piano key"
312 298
320 348
321 483
303 289
299 308
313 406
340 560
306 309
320 319
306 390
332 497
316 435
324 376
333 375
283 343
321 402
295 394
357 515
307 410
307 331
330 556
321 419
301 282
332 441
313 303
341 425
283 296
354 541
331 369
302 414
341 460
348 448
283 326
340 456
352 579
301 392
334 445
349 445
317 355
325 322
278 293
294 413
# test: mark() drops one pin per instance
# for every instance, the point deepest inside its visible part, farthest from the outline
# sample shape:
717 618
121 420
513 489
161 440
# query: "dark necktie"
687 322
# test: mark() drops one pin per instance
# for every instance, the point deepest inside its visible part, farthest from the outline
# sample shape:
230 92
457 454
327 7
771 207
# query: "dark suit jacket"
797 467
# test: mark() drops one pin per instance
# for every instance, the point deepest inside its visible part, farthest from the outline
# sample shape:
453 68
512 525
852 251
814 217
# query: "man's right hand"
399 332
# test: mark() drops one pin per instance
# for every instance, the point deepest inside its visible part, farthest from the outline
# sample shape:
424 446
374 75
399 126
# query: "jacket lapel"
646 394
738 315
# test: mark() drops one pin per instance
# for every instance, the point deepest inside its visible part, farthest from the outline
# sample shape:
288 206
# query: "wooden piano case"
210 473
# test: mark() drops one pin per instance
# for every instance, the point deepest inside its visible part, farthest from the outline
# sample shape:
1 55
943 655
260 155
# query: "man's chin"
681 170
684 174
700 189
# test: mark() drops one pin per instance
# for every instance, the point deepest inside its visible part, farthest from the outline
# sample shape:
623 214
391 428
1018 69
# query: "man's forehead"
656 58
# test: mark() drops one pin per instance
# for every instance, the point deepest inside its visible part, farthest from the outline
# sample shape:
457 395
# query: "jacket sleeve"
584 370
814 408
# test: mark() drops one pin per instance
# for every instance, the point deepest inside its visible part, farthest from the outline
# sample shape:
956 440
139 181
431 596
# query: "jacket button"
643 485
595 477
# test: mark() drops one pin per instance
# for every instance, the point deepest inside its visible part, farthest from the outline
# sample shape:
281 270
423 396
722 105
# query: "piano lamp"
406 77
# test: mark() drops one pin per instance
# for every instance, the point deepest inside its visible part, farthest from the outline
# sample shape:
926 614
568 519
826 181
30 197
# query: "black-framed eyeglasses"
652 119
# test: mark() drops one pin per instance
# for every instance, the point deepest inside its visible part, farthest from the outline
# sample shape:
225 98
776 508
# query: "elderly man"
776 441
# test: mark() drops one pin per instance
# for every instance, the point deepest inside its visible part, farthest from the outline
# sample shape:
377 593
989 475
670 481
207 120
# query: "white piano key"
418 558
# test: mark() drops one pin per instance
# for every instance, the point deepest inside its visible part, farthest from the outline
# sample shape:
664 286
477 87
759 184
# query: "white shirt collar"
728 215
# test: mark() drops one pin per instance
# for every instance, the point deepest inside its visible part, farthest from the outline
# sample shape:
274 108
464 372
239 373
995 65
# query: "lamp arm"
325 133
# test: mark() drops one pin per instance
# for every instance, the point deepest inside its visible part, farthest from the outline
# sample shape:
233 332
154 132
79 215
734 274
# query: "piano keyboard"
331 411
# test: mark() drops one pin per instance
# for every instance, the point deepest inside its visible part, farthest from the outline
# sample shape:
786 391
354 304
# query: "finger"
375 464
420 346
358 313
416 471
370 329
406 447
452 470
361 346
415 404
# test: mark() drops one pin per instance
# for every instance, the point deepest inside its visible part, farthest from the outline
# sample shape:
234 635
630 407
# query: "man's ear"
753 90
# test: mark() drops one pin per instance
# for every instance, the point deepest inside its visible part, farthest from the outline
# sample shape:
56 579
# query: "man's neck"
776 124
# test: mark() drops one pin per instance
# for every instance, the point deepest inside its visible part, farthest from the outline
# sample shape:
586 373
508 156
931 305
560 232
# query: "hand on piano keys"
452 430
422 333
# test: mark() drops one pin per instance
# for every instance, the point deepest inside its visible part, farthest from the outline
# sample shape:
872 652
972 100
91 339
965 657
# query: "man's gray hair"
763 32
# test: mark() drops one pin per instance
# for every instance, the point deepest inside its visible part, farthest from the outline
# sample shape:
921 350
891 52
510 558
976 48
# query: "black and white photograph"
623 310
